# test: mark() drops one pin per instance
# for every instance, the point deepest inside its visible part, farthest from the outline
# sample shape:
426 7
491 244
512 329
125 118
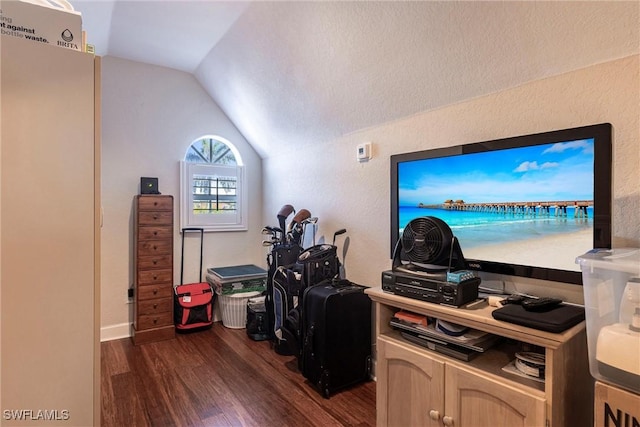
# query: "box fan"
429 248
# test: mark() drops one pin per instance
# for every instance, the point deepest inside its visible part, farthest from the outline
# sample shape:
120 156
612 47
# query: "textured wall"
150 116
326 178
303 73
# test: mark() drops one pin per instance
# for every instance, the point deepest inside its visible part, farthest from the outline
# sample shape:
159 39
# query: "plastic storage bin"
233 309
611 286
237 279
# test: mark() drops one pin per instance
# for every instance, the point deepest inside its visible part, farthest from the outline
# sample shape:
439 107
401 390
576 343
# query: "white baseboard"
115 332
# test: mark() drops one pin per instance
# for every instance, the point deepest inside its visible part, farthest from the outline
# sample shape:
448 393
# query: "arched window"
212 180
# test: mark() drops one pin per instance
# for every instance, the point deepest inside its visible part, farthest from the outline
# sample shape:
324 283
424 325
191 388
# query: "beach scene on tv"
531 205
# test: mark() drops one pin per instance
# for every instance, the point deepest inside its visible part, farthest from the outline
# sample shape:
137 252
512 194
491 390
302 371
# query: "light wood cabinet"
422 389
50 229
413 392
417 386
473 399
153 305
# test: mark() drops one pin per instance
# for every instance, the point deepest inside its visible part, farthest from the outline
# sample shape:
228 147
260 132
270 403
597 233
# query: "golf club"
312 220
337 233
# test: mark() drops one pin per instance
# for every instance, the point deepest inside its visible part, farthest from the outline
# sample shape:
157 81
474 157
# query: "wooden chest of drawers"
153 259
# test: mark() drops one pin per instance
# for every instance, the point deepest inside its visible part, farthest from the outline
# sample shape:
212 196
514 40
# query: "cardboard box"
615 407
41 24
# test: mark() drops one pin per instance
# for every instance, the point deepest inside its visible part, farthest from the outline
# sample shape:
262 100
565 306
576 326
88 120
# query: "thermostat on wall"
364 152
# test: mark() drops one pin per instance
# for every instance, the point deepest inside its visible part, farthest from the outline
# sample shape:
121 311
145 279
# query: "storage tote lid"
235 272
619 259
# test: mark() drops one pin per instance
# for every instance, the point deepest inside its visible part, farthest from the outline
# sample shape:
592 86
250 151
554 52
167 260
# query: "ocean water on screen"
475 229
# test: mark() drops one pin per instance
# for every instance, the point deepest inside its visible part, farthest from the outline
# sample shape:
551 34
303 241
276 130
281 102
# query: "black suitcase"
336 322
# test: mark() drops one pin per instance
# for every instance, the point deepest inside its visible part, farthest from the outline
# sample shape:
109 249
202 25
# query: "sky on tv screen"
551 172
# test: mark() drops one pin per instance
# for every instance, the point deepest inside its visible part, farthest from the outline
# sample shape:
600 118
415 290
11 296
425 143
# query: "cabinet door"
473 400
410 388
50 335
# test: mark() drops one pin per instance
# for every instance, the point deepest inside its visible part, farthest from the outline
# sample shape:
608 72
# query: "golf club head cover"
285 211
299 217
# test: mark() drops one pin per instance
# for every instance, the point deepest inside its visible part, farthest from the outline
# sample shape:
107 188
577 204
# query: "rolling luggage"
336 324
192 302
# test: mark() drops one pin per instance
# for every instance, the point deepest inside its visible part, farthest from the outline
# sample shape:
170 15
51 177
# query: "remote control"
513 299
540 304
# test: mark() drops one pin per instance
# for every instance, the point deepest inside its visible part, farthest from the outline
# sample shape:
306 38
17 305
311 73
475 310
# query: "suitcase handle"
184 231
337 282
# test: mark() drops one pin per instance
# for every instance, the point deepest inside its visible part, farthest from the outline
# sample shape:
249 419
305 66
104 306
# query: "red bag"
193 302
193 306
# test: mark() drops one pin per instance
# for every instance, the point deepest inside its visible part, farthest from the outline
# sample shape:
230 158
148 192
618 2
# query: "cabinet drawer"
155 291
155 277
155 217
154 306
154 203
155 320
155 233
148 262
154 247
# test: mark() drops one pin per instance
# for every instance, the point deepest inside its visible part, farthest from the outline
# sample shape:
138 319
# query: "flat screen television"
521 206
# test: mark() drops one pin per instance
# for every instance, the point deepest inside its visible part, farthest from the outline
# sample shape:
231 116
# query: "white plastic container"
611 286
233 309
55 26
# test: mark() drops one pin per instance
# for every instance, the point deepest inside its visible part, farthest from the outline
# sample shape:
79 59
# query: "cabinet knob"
155 261
155 247
447 420
155 233
434 415
155 291
155 321
155 203
155 217
155 277
155 305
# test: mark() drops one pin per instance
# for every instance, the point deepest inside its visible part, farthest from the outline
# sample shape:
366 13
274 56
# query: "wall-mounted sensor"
364 152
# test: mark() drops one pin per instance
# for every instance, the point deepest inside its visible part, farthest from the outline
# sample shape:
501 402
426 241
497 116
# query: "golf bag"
318 263
282 254
286 292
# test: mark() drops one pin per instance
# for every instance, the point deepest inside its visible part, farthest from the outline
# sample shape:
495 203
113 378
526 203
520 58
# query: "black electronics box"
426 289
149 185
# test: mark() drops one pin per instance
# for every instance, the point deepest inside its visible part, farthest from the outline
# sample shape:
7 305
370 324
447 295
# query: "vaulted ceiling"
293 73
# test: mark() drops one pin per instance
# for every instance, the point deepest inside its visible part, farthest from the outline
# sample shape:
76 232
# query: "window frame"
236 221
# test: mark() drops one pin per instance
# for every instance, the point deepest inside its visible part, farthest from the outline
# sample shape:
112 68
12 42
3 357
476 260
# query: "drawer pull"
155 291
155 277
434 415
155 217
155 305
155 203
155 321
155 261
155 233
155 247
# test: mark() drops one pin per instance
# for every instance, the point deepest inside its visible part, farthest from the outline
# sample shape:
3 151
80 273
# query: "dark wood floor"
219 377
